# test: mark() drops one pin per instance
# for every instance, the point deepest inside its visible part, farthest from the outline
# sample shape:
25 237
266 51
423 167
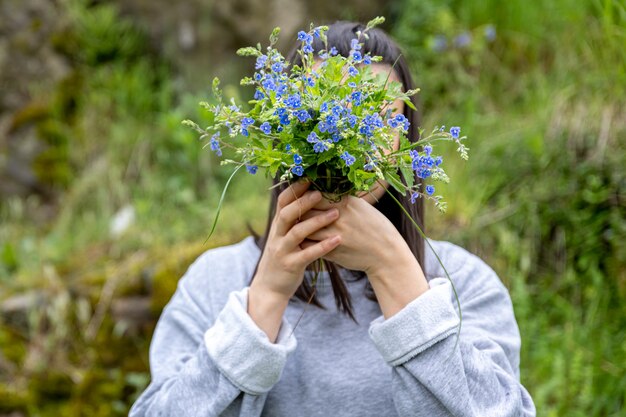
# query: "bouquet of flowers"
332 124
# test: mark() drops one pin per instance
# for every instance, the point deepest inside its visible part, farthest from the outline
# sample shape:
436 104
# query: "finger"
326 204
291 193
311 213
307 243
321 234
318 250
302 230
287 216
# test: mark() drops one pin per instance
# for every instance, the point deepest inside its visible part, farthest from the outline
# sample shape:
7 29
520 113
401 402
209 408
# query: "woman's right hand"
282 264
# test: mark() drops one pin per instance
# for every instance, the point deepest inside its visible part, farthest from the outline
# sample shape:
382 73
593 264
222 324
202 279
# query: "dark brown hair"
379 44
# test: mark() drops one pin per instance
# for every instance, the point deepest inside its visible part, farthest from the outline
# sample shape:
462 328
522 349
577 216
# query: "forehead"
377 68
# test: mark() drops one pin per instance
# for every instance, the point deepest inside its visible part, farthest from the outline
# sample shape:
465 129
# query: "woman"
237 338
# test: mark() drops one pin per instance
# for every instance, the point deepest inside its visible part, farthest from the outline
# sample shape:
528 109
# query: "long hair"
379 44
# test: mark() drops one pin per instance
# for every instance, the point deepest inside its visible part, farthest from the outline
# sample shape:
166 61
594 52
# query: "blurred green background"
106 199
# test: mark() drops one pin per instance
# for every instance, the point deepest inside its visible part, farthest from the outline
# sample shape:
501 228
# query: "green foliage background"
542 198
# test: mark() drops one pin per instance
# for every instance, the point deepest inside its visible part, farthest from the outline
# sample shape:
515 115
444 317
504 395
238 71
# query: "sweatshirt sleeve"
433 377
210 366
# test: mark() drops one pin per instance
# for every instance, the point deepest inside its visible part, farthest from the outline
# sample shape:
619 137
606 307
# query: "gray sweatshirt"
209 358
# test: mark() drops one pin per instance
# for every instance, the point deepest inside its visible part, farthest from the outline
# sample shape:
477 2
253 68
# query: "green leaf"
394 179
274 167
409 103
215 87
248 51
378 20
408 174
325 156
274 36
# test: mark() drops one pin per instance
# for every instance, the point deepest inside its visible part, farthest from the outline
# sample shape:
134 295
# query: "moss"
33 112
12 399
169 271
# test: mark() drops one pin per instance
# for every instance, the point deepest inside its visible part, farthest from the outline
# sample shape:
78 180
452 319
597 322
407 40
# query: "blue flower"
428 149
269 84
308 49
430 189
321 146
352 71
455 131
312 138
356 98
463 40
252 169
277 67
258 95
333 51
302 115
370 166
352 84
352 119
288 147
302 35
336 137
245 132
266 128
414 196
298 170
281 89
284 119
297 159
316 32
423 173
247 121
260 62
393 123
490 33
215 144
354 44
356 56
293 101
438 161
439 43
367 59
400 118
349 159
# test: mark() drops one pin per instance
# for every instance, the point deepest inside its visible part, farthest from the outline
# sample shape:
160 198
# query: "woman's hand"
282 264
371 243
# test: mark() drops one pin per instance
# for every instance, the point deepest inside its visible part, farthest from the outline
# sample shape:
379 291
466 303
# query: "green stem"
419 229
219 205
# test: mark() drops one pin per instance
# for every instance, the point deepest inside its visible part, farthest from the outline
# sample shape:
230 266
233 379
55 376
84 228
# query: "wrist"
396 258
398 282
266 308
